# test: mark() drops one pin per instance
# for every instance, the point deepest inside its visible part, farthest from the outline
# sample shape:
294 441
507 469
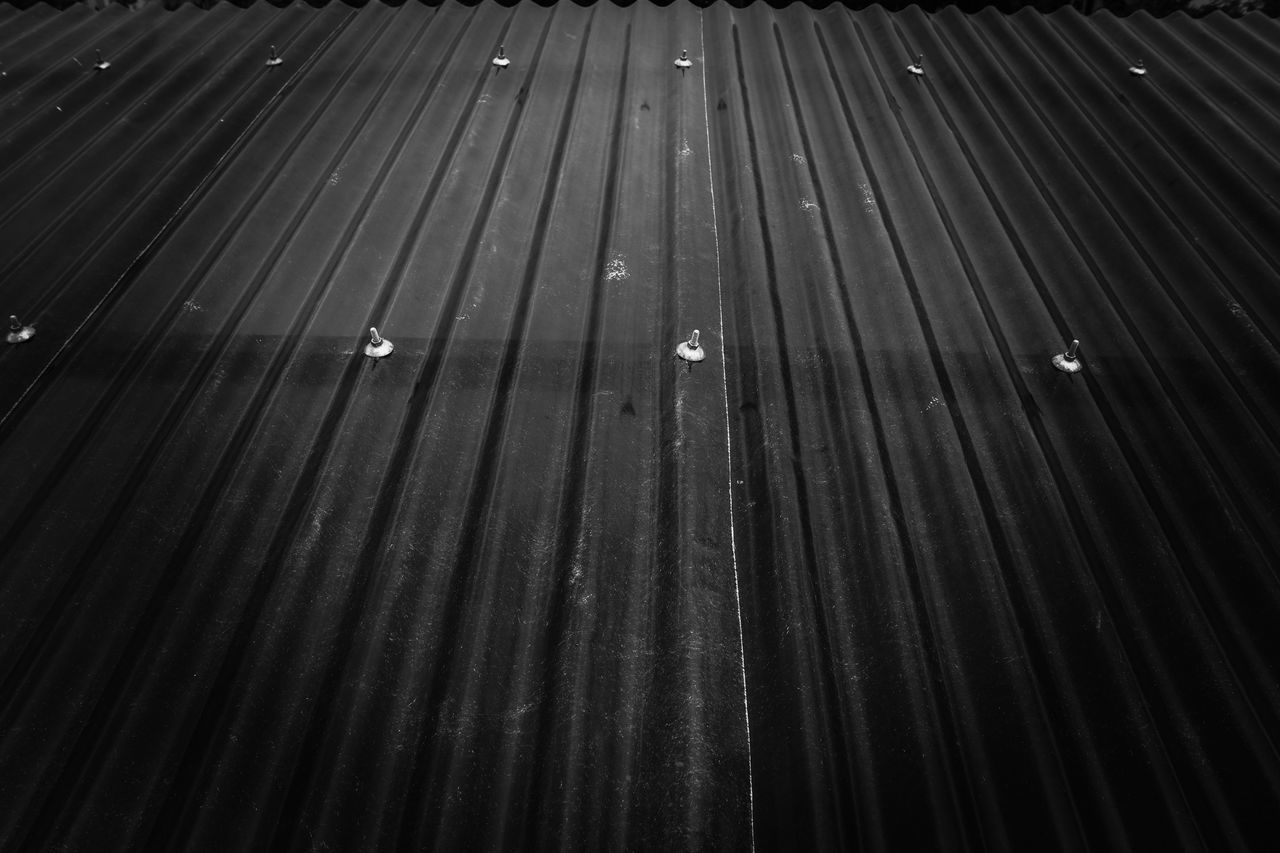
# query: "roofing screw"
501 59
1138 69
273 60
690 350
917 67
102 64
18 332
683 62
378 347
1067 361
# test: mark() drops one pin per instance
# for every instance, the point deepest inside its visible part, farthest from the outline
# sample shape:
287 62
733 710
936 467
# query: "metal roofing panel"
873 574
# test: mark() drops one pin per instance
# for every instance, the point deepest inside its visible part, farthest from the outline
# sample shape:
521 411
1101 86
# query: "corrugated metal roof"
873 574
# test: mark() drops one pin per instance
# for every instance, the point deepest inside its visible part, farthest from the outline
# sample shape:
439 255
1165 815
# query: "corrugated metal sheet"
874 574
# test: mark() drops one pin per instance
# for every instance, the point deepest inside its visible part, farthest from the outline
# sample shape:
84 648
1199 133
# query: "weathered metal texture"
872 574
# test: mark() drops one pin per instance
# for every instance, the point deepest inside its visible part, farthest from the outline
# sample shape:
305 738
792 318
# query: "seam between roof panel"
728 439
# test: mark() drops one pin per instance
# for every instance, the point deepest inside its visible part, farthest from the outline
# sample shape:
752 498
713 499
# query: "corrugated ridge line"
426 384
37 646
952 796
1215 194
20 16
534 823
868 826
665 556
1046 653
106 231
571 511
1166 39
1045 444
88 750
1219 65
1259 538
1167 385
344 670
85 741
1205 446
267 388
961 790
218 705
1181 549
836 737
126 377
36 113
1242 36
1225 281
1228 285
1247 398
837 430
38 146
311 751
300 500
335 413
976 736
1014 602
117 288
505 388
61 35
30 245
1082 534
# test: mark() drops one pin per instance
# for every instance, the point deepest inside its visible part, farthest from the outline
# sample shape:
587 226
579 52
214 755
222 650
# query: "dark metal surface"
873 574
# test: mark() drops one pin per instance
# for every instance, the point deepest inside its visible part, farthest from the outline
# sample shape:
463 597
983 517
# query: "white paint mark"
191 305
616 269
799 158
805 204
868 198
334 178
685 150
933 401
728 439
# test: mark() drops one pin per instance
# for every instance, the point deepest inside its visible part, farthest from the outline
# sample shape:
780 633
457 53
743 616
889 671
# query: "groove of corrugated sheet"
260 590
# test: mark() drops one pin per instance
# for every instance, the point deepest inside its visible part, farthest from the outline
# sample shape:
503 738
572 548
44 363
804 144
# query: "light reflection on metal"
1067 361
378 346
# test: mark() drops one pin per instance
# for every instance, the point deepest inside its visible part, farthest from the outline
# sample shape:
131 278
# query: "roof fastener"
501 59
18 332
1138 69
1067 361
101 64
683 62
690 350
378 346
917 67
274 59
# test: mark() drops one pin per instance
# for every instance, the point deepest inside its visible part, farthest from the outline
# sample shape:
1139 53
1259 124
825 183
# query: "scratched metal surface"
874 574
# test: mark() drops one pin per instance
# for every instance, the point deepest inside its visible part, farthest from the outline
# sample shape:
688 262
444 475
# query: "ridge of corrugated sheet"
1231 8
258 590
